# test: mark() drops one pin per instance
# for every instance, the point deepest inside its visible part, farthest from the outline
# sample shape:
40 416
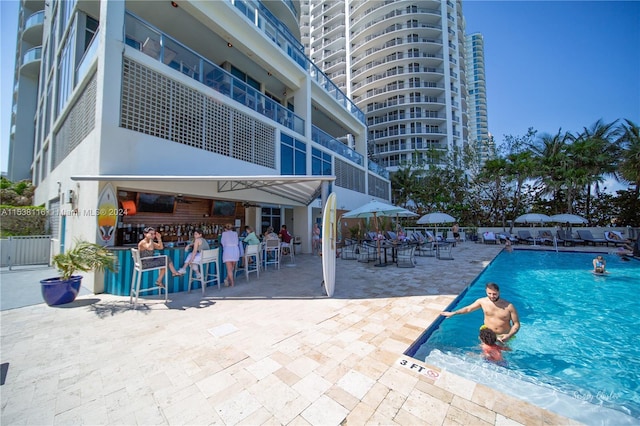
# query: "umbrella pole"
375 218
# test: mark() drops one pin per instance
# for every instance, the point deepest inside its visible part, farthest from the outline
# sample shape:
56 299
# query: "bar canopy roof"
297 190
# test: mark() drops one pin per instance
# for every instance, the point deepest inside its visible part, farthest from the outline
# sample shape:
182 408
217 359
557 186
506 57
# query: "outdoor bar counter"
119 282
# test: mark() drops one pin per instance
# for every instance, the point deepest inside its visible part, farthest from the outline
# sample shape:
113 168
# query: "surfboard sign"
107 216
329 244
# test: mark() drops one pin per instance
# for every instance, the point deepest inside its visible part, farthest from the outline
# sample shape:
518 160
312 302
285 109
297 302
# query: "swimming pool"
577 350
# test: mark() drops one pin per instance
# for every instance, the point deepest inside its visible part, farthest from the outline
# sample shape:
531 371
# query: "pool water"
578 349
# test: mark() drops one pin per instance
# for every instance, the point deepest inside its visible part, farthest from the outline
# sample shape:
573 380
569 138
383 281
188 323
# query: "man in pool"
499 315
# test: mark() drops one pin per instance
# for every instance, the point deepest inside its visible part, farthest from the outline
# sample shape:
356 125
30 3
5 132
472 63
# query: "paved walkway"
272 350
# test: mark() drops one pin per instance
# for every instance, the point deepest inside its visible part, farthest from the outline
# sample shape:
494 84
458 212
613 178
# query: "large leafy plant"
84 257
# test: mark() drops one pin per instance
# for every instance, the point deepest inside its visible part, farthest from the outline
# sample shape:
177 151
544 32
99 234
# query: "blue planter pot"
56 291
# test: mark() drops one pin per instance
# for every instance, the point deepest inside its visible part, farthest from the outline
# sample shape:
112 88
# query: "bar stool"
287 249
139 269
251 252
272 253
207 257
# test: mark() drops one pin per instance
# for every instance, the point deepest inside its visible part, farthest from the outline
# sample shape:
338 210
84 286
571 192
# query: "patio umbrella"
571 219
435 218
567 218
374 209
532 218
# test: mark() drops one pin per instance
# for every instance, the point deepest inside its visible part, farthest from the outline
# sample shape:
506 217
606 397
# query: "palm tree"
629 169
551 154
594 155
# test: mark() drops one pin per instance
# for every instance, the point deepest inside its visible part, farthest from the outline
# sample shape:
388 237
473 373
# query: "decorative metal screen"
379 187
77 124
348 176
155 105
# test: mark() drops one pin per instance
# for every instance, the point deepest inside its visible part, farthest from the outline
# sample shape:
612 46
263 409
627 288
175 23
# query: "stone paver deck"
272 350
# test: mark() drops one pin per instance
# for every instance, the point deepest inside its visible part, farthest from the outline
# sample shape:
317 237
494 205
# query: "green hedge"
28 220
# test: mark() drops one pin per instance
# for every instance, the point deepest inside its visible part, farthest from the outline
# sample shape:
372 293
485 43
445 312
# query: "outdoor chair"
426 249
615 238
489 238
567 238
525 236
271 253
367 251
545 236
202 273
443 251
349 251
286 250
160 262
251 260
405 256
506 235
586 235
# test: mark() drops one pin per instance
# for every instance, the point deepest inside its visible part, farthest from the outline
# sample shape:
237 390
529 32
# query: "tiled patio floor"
272 350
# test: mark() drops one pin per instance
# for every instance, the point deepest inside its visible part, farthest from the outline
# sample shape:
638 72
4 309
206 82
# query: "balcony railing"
35 19
33 54
165 49
331 143
87 58
378 169
262 19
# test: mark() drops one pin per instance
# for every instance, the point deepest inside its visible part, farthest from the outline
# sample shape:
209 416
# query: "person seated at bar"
196 248
270 235
286 238
153 241
251 239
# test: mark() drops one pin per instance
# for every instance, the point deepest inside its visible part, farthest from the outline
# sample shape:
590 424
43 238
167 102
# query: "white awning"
300 190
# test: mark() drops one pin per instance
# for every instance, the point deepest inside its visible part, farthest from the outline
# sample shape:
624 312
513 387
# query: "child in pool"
490 349
599 264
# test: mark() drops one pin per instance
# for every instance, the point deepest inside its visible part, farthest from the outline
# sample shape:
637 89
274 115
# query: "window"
293 156
65 69
270 217
91 27
320 163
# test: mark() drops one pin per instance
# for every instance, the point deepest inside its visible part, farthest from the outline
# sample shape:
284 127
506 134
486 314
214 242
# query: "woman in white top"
230 252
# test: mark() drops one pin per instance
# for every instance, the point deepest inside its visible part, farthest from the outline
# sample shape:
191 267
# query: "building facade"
479 138
402 63
214 100
28 57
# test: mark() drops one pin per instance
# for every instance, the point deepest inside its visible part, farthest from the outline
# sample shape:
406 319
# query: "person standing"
315 237
499 315
230 252
455 230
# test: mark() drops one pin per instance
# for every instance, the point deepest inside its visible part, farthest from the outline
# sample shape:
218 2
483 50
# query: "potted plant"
85 257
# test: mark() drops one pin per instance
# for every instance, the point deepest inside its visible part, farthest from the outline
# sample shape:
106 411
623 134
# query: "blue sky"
549 64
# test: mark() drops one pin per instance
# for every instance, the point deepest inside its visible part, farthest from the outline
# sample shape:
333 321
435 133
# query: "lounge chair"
489 238
545 236
431 237
506 235
615 238
525 236
567 238
586 235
